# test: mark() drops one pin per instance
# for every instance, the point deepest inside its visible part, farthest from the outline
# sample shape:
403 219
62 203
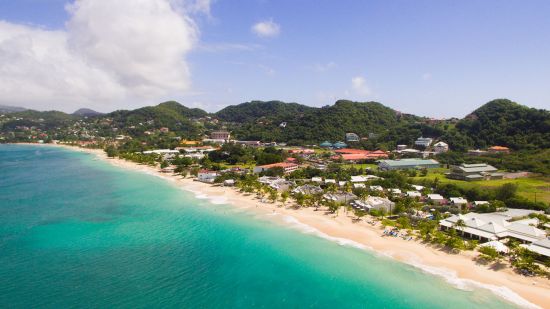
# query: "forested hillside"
499 122
312 125
503 122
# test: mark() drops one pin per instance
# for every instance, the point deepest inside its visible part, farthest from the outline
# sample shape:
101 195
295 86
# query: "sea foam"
449 276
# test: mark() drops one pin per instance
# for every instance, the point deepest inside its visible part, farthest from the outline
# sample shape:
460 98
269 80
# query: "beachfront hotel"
512 223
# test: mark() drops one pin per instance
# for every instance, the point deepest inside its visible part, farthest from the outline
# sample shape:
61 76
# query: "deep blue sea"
77 232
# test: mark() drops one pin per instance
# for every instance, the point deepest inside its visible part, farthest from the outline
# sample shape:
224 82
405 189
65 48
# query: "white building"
207 176
436 199
363 178
423 141
496 225
375 202
541 247
440 147
414 194
458 201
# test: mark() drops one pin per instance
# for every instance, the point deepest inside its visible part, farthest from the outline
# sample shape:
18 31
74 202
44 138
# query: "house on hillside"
441 147
352 137
220 135
498 149
423 142
479 171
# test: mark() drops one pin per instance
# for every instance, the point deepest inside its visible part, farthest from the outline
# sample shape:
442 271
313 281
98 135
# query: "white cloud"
360 87
111 54
266 29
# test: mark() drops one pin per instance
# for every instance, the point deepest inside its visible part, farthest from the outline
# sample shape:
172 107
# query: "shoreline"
458 270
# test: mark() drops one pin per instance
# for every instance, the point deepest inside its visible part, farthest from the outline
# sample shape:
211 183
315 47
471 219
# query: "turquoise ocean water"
78 232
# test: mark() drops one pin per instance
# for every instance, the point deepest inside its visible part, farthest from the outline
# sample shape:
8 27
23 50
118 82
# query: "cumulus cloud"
266 29
110 54
360 87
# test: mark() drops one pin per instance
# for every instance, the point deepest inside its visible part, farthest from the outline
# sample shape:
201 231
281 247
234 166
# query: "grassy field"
533 188
362 166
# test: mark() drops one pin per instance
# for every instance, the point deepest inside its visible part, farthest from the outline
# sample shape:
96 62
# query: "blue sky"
433 58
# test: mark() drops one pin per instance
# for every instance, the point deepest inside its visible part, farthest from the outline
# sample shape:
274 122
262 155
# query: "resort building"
414 194
441 147
470 172
499 149
496 226
308 189
387 165
277 183
363 178
287 167
343 197
207 176
423 142
352 137
458 202
436 199
220 135
375 202
541 247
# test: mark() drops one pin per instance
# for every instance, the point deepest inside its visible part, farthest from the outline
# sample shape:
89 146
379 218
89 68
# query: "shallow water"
78 232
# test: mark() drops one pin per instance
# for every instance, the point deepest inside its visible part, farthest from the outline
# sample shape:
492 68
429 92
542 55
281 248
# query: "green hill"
257 110
262 121
170 114
506 123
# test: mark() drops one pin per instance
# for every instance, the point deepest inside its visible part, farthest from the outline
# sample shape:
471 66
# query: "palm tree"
284 197
460 225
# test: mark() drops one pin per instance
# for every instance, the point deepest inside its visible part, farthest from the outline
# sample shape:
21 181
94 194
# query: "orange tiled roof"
499 148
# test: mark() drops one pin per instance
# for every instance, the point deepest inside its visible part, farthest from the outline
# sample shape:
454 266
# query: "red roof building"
287 167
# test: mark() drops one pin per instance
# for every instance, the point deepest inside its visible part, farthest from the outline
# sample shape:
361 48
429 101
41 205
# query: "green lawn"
532 187
362 166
